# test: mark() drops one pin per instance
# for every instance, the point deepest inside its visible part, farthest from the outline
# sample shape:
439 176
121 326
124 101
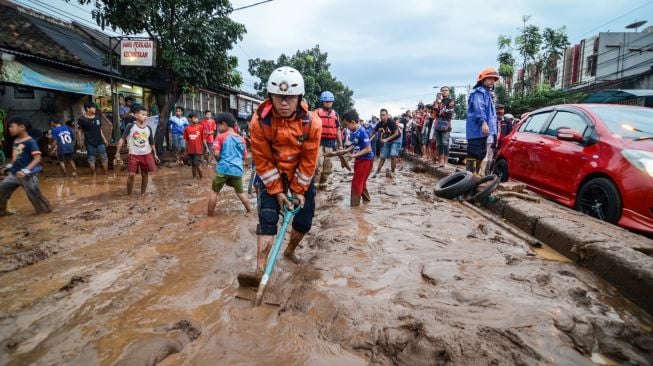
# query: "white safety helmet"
286 81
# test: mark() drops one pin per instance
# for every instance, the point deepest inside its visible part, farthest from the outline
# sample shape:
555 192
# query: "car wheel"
501 170
454 185
600 198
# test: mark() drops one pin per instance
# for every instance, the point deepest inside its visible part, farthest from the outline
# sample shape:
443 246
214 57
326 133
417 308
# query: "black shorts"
65 157
477 148
195 159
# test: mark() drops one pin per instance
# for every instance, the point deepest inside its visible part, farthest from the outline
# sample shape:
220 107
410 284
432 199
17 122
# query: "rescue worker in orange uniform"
331 138
285 139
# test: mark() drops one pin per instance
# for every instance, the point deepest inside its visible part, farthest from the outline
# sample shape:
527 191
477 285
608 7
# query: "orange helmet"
489 72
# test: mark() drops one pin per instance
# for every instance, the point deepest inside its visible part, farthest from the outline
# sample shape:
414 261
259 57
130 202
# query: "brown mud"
407 279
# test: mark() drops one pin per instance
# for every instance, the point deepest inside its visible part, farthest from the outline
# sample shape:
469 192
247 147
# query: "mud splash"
406 279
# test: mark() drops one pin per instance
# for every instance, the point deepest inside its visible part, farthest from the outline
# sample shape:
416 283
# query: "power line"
69 16
613 20
252 5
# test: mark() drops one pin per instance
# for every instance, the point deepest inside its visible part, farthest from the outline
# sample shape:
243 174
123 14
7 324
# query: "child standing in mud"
25 165
142 152
363 155
195 144
63 137
229 149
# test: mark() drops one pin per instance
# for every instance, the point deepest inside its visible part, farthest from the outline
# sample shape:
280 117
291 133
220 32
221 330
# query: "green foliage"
313 66
505 58
460 107
541 96
555 42
502 94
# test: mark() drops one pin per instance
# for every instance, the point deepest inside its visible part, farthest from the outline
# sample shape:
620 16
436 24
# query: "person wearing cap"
285 140
94 140
331 138
481 118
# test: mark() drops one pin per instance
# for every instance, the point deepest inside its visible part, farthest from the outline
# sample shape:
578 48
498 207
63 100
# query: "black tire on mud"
501 169
600 198
493 182
454 185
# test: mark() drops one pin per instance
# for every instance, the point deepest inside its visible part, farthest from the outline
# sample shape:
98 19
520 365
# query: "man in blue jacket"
481 118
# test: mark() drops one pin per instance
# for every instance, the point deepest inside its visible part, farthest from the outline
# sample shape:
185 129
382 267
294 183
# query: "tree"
192 39
541 96
460 107
528 44
506 59
313 66
555 42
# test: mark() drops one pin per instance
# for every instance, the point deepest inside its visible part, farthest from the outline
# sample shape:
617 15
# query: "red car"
596 158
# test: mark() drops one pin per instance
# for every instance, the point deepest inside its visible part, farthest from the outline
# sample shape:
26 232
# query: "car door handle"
541 142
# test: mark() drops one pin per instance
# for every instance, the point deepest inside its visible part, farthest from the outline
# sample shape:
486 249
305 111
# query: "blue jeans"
178 143
96 150
269 210
391 149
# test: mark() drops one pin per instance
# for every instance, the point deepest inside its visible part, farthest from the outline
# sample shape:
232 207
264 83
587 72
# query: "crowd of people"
291 148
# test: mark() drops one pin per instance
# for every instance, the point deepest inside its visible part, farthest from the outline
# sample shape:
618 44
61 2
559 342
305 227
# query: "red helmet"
489 72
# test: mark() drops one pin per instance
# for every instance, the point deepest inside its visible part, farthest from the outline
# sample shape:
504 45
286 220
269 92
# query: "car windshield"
629 123
458 125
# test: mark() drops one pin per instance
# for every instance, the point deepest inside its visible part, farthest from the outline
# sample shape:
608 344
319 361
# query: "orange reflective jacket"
285 146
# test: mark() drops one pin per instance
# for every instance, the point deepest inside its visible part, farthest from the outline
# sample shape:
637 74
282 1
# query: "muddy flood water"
407 279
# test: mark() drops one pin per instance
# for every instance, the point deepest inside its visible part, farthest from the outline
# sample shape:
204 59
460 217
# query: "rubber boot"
471 165
355 200
250 279
289 253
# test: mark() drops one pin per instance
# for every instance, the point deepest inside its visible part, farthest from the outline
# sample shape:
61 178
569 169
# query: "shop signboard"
137 52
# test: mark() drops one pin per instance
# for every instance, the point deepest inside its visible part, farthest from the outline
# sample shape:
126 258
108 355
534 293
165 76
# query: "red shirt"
209 129
193 135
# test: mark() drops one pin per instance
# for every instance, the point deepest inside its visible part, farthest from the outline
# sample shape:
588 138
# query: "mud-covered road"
406 279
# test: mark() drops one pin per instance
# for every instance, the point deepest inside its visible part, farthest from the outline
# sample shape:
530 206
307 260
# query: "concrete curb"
622 258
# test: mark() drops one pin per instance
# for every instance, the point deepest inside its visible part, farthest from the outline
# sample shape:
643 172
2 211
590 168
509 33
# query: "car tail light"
642 160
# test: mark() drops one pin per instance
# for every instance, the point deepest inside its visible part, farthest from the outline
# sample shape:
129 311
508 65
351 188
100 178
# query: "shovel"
250 186
274 253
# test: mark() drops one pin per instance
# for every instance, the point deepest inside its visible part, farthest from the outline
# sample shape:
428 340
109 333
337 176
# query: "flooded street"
407 279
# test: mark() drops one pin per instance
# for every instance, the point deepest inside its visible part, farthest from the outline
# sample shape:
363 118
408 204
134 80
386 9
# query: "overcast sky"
392 52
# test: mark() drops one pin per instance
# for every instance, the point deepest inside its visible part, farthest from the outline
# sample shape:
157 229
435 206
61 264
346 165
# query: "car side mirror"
565 134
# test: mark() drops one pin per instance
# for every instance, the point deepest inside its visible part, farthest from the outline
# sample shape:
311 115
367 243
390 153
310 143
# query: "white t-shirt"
139 139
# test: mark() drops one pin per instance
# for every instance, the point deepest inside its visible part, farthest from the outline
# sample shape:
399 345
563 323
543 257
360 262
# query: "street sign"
137 52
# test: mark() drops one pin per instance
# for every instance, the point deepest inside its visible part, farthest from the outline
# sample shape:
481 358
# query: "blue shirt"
232 148
23 155
360 140
65 139
177 125
480 108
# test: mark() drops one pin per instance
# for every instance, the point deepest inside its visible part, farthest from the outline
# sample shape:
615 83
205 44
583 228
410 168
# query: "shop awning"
39 76
617 95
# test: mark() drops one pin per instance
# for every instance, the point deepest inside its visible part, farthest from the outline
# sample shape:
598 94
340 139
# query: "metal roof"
617 95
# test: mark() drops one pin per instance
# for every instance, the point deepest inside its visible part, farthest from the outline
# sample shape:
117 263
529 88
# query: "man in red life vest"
331 139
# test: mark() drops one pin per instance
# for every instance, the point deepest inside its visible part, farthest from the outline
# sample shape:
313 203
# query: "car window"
567 120
535 123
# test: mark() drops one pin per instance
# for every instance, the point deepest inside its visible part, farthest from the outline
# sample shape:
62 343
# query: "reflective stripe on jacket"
285 146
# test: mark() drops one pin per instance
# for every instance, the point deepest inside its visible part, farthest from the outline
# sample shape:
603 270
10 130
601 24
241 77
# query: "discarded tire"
454 185
480 195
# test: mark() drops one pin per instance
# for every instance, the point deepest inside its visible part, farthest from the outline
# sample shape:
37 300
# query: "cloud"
391 53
